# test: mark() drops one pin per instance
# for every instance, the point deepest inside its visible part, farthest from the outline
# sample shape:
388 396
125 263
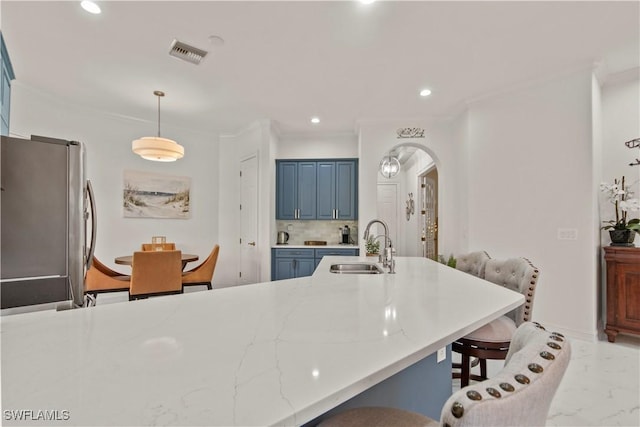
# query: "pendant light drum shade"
157 148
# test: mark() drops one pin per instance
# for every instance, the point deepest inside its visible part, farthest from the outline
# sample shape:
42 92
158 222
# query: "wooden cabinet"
292 263
316 189
5 88
623 291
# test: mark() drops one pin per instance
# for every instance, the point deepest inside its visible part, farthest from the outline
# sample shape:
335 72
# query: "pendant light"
156 148
389 166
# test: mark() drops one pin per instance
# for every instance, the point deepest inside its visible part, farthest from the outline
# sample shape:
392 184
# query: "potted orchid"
622 230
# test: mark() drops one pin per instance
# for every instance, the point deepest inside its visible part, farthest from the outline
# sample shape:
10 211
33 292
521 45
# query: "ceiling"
342 61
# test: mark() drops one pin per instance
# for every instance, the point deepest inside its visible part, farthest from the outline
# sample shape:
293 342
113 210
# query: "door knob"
251 243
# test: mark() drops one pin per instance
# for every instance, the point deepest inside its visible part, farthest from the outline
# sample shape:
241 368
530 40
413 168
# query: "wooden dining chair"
101 279
202 274
155 273
165 247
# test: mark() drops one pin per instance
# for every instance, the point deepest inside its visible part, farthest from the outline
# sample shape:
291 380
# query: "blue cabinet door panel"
307 190
286 190
346 189
305 267
326 190
284 269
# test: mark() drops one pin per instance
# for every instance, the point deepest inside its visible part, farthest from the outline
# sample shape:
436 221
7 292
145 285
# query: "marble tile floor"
601 387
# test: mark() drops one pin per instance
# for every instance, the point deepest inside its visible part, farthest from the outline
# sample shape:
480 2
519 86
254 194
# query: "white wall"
417 164
621 123
333 146
258 138
529 174
376 138
108 144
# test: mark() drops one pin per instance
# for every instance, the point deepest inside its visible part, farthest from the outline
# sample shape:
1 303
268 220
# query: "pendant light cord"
158 116
159 94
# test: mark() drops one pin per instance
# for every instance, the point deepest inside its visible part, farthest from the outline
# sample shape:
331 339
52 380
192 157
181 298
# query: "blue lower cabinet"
291 263
304 267
334 252
283 269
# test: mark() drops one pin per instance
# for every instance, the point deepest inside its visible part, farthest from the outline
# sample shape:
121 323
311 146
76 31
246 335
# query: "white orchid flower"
631 205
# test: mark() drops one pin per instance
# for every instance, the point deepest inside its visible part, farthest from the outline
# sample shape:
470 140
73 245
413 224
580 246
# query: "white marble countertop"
278 353
334 246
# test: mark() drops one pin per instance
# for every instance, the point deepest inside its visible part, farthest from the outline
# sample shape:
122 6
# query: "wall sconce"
411 207
389 166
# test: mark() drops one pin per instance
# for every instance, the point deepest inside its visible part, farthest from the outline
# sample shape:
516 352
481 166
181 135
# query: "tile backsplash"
329 231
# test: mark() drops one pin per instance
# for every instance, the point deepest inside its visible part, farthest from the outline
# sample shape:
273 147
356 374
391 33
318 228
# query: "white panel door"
249 256
388 212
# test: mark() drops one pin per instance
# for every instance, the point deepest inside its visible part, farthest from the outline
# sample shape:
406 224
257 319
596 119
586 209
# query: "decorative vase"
622 237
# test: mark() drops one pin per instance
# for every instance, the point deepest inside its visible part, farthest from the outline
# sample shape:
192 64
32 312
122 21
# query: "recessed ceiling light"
367 1
425 92
90 7
315 120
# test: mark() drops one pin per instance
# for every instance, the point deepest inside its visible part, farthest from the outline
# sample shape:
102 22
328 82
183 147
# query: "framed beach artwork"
153 195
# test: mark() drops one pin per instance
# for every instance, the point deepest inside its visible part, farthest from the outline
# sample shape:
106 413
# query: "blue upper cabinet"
307 190
316 189
286 190
295 190
337 189
5 90
346 189
326 190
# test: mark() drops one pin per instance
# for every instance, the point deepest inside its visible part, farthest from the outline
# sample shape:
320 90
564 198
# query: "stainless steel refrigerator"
46 205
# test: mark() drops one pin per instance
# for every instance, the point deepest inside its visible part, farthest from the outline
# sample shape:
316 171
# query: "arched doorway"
408 200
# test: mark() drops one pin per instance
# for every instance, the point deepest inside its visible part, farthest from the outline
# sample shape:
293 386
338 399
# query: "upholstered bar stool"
519 395
492 340
473 263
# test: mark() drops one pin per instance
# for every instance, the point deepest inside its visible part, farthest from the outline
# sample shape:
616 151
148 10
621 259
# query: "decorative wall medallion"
410 133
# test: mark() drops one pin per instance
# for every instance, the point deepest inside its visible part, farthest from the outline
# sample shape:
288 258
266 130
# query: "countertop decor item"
315 242
372 246
622 230
157 148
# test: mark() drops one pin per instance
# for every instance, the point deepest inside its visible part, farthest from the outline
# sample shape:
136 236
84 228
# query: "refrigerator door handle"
94 223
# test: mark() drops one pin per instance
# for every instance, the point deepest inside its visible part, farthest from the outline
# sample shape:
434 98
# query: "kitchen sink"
356 269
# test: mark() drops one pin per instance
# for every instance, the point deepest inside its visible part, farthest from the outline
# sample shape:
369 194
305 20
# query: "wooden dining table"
128 259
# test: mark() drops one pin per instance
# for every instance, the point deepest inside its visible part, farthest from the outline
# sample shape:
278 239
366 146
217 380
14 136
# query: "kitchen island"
277 353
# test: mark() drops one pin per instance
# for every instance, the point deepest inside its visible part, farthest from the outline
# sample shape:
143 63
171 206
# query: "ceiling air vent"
187 53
